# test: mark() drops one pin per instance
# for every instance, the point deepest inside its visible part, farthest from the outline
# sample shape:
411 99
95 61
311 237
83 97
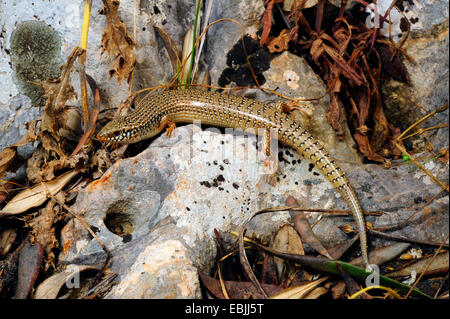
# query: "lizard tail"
311 149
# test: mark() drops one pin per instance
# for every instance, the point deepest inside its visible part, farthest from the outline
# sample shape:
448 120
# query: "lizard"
156 112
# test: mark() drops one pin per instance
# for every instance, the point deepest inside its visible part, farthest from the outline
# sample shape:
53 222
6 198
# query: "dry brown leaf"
290 4
70 123
43 229
30 260
280 43
5 190
117 42
41 168
36 195
304 228
8 157
382 255
266 21
338 290
171 48
336 115
286 240
299 292
102 160
50 287
316 293
365 148
316 50
58 92
344 68
7 238
440 261
381 130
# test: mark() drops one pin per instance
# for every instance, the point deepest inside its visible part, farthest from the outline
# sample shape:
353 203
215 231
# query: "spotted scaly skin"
155 112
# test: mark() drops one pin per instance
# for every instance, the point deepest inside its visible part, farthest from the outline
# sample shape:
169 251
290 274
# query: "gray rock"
428 72
180 189
248 13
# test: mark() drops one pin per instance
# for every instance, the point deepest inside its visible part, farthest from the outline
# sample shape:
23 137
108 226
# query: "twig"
222 283
421 130
93 121
440 287
243 257
402 238
439 109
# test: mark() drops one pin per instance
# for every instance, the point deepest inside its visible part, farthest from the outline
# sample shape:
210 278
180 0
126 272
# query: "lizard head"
129 129
119 131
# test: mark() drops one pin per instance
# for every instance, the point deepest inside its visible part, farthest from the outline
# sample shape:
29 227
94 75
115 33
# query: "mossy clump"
35 56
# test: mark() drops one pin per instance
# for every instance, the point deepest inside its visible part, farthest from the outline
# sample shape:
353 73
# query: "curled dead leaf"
316 49
57 92
36 195
117 42
280 43
50 287
171 48
348 229
71 123
43 228
286 240
266 21
304 228
30 260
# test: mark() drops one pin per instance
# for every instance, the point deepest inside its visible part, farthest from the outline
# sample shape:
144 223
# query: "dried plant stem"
82 60
400 137
421 130
194 43
426 267
205 23
85 27
391 291
402 238
222 283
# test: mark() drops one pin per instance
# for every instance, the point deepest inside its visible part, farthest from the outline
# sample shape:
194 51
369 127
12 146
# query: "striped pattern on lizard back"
223 110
